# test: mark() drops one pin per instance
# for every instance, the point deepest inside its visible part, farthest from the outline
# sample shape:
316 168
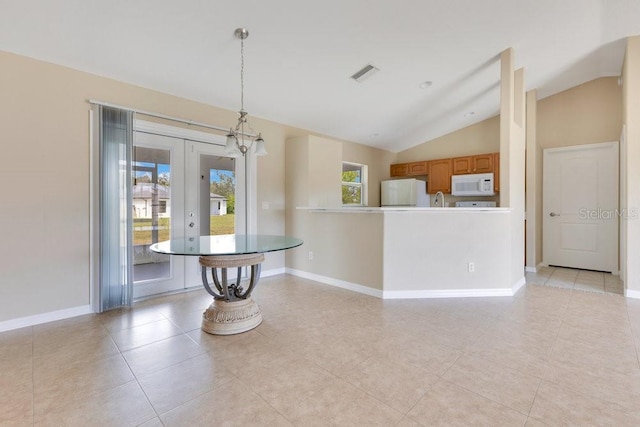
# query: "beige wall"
631 167
479 138
586 114
512 158
44 131
378 162
313 171
533 186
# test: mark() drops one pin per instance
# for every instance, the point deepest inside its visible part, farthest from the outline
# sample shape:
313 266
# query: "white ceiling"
300 54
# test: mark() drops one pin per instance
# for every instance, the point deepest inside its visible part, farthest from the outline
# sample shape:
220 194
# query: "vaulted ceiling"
300 54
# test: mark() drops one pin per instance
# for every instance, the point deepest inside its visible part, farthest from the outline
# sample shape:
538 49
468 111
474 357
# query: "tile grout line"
633 335
546 367
135 378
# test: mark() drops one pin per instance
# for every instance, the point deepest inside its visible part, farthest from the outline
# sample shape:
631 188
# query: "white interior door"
580 207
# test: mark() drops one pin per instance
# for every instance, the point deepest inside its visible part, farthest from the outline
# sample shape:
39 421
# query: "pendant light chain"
236 138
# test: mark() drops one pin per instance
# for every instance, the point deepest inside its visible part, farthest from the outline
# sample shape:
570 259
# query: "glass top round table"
233 310
226 244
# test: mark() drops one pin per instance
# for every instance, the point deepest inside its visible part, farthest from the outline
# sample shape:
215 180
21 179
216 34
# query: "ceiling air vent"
365 73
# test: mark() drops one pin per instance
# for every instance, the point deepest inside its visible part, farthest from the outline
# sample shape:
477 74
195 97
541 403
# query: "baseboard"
534 269
418 294
632 294
272 272
37 319
519 284
336 282
448 293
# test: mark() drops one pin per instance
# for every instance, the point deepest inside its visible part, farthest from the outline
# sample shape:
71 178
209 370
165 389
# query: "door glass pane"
217 195
151 190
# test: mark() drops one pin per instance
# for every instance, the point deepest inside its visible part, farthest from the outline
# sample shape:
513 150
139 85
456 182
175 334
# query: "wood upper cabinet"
400 169
462 165
440 171
418 168
482 163
439 176
496 172
409 169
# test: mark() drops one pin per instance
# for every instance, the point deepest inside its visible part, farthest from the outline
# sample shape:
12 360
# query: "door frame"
146 288
250 163
250 171
616 144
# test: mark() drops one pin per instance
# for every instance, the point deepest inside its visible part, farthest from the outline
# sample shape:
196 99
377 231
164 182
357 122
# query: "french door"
181 188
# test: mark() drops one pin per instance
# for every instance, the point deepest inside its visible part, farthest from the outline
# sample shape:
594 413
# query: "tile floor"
584 280
326 356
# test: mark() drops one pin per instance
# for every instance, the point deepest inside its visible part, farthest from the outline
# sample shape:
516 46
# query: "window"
354 182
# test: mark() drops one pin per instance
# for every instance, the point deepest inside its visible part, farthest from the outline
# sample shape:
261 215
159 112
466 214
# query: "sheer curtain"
115 208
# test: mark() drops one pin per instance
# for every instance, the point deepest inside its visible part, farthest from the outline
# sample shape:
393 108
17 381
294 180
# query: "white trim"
632 294
581 147
447 293
37 319
273 272
336 282
531 269
177 132
418 294
519 284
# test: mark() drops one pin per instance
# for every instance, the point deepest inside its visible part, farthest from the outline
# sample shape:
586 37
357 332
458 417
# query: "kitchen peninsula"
408 252
398 252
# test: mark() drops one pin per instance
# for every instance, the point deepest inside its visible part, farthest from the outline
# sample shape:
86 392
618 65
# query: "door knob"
192 224
554 214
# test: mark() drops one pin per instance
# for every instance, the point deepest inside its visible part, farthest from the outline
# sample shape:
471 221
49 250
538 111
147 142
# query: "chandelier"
236 138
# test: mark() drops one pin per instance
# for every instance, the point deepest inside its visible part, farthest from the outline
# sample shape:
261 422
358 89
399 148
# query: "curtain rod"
162 116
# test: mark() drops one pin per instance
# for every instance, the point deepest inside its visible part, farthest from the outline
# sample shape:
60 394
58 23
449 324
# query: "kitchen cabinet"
496 172
462 165
439 171
400 169
439 176
481 163
409 169
418 168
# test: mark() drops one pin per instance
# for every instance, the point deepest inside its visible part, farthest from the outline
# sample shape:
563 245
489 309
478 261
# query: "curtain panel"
115 273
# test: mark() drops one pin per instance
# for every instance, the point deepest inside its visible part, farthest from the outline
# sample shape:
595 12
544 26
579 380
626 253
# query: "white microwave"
478 184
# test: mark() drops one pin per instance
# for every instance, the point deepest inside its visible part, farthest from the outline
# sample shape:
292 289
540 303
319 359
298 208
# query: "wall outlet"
472 267
265 205
310 255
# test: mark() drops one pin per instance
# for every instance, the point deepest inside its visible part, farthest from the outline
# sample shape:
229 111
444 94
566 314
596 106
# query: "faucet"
435 199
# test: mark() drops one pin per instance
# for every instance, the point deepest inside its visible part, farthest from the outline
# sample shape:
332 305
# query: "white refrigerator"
404 192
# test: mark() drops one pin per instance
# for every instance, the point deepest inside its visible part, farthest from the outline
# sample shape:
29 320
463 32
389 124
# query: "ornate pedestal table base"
233 310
